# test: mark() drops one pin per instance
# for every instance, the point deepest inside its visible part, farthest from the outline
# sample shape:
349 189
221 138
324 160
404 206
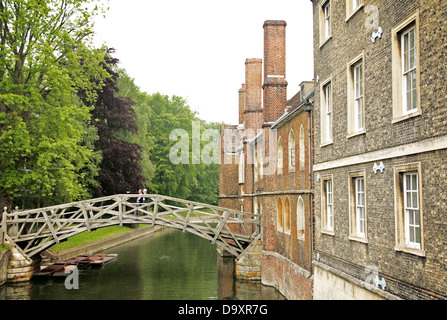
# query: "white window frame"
405 208
360 207
409 70
412 212
352 6
358 213
325 21
327 205
356 96
328 109
400 72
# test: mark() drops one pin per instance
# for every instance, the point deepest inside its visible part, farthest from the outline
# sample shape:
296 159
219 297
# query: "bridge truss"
33 231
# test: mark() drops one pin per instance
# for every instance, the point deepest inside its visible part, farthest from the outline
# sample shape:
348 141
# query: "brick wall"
253 94
275 84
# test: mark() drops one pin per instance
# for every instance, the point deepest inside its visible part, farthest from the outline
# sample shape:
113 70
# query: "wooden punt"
76 260
86 262
48 271
104 259
65 272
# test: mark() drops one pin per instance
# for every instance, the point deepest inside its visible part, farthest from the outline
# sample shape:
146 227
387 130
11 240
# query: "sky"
196 49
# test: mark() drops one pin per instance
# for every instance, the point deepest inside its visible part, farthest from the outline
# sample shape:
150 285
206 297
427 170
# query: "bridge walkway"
34 231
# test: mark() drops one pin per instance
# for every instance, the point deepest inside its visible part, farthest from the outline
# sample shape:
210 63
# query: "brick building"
380 152
266 163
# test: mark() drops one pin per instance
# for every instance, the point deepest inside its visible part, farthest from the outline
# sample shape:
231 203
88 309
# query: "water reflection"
167 265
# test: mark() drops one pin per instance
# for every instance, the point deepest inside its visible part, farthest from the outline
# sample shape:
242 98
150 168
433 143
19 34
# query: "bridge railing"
33 231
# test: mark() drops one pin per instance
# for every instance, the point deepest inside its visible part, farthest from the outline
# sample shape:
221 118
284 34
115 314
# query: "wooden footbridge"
33 231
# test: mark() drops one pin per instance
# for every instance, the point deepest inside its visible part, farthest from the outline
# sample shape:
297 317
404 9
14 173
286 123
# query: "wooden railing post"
120 208
3 227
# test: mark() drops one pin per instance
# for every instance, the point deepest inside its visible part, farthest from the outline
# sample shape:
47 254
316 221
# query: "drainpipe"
253 178
308 108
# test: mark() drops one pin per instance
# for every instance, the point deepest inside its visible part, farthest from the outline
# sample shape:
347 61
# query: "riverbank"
49 256
99 245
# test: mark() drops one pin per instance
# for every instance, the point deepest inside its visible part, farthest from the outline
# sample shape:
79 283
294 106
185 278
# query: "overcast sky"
196 49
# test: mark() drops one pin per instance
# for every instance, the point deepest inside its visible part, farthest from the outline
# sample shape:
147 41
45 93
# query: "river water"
166 265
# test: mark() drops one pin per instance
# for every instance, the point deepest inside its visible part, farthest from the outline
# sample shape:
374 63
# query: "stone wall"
249 266
4 261
396 141
21 269
294 282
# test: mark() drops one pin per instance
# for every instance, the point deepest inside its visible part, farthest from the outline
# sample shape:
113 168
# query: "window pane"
327 20
418 235
414 200
412 213
414 92
412 237
409 70
412 46
361 79
405 52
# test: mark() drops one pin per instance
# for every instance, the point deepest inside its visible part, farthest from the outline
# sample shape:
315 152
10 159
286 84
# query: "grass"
3 248
87 237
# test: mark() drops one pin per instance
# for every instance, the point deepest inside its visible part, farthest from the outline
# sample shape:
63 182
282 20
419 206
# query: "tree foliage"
114 117
194 180
158 116
72 123
46 56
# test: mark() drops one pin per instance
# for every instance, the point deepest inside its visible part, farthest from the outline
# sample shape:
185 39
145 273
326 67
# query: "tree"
114 117
192 178
128 89
45 57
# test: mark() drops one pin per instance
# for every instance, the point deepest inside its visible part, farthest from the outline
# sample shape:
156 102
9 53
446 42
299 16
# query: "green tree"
128 89
115 117
191 178
45 57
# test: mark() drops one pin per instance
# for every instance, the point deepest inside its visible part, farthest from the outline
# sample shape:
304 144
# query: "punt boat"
48 271
104 259
76 260
65 271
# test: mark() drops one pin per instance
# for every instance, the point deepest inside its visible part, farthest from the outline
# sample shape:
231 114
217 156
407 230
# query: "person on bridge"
140 199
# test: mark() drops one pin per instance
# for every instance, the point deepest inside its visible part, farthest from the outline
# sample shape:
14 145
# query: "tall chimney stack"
253 94
275 84
242 104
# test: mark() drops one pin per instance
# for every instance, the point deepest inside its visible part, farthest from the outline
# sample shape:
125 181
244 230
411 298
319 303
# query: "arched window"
302 150
279 221
280 156
300 222
291 151
287 221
